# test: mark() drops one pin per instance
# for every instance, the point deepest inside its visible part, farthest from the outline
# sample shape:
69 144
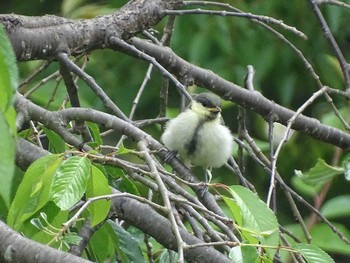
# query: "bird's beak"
215 110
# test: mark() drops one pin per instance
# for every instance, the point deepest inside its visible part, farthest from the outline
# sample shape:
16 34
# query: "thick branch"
127 209
252 100
27 153
57 120
16 248
43 37
159 227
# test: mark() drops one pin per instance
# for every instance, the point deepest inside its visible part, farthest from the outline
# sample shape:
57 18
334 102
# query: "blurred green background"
225 45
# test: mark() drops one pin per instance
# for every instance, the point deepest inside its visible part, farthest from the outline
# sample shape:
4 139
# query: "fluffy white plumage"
198 135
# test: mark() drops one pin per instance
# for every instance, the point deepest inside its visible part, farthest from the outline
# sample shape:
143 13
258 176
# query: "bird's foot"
208 176
170 155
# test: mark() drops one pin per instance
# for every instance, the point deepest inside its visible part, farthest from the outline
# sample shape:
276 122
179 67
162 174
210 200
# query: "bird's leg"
207 178
208 175
170 155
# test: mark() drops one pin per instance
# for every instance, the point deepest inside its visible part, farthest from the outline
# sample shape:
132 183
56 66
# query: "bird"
199 134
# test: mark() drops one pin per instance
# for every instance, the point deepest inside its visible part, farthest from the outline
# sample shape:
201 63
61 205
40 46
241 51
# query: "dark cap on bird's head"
210 101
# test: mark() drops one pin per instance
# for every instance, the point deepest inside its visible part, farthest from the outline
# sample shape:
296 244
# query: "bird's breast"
214 144
201 141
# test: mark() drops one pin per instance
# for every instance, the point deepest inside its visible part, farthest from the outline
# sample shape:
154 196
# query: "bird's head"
207 105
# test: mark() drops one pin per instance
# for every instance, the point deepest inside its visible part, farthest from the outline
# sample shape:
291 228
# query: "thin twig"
285 139
333 2
42 82
75 217
41 68
63 58
263 19
333 43
124 45
163 192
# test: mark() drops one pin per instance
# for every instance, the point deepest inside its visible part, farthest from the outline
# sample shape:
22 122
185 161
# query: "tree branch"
15 248
253 100
43 37
151 222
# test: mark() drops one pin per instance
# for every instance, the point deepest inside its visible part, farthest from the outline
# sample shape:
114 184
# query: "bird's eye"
205 103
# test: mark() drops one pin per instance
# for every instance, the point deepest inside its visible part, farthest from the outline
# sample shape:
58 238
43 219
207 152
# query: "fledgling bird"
199 135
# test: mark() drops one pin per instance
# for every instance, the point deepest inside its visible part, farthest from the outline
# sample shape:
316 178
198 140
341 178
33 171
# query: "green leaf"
93 127
70 182
304 188
347 170
55 219
123 150
57 144
255 218
236 255
167 256
37 223
322 237
7 160
333 243
97 186
115 172
33 192
320 173
336 207
235 210
8 72
250 254
125 184
128 244
71 238
8 86
312 253
102 244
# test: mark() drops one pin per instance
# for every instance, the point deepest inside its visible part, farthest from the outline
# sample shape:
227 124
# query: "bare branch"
252 100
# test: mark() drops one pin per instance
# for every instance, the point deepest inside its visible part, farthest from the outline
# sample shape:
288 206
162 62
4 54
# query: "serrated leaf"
128 244
70 182
57 144
312 253
258 220
320 173
336 207
33 192
97 186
